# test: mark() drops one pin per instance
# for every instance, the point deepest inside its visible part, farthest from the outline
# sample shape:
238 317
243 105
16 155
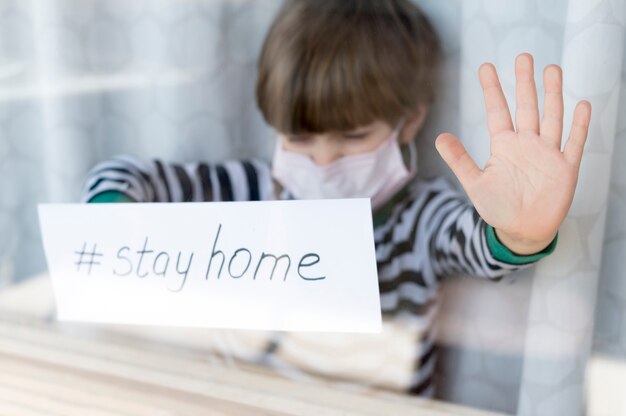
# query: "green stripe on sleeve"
110 197
503 253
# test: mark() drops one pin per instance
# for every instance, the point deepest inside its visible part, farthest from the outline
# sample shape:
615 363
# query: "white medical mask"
377 174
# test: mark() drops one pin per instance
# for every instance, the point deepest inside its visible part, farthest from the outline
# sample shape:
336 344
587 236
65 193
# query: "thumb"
454 154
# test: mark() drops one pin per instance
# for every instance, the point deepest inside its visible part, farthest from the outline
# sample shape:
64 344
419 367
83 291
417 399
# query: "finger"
552 121
527 112
454 154
498 114
573 151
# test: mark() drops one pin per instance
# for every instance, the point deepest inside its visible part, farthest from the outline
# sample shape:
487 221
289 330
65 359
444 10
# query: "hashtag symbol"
90 255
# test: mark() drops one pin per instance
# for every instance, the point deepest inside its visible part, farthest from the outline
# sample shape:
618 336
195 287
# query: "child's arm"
127 179
528 184
459 240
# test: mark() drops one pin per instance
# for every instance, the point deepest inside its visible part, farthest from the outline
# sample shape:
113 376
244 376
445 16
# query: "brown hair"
335 65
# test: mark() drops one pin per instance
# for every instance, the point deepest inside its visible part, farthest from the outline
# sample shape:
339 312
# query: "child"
346 85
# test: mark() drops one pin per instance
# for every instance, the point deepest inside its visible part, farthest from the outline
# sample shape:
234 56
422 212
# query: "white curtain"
557 299
83 80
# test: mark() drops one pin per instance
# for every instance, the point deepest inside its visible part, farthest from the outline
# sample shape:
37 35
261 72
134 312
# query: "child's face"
324 148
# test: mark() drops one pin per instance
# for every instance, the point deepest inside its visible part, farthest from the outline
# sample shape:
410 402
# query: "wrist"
522 246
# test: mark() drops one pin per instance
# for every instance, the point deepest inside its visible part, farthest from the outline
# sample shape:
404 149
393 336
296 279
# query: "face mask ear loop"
410 145
399 127
413 156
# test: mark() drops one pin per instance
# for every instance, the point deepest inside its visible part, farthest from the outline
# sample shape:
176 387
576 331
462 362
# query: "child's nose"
326 155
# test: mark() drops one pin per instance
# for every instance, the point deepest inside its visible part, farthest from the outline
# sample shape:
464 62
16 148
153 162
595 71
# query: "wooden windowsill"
47 367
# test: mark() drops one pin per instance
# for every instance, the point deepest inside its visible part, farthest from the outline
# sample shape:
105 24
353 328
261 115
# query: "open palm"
527 186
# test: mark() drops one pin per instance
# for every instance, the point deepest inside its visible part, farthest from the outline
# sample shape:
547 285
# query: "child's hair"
335 65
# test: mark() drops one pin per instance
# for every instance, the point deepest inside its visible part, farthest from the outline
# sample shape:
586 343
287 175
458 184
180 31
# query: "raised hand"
527 186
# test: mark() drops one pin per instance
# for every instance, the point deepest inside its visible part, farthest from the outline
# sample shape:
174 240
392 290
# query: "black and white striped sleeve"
156 181
457 236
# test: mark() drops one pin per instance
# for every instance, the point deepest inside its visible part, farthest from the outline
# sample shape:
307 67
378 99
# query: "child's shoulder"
424 190
432 183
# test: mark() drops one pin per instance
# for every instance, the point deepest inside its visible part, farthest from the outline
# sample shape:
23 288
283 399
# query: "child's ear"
413 123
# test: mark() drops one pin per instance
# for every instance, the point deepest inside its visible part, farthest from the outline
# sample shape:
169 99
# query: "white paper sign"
281 265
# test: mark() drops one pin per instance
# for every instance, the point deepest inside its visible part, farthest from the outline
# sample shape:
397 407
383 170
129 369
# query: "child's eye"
355 135
298 138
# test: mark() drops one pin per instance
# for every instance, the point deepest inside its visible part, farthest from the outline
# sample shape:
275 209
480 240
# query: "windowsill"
78 365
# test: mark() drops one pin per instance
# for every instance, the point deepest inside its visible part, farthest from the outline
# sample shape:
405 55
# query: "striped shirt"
430 231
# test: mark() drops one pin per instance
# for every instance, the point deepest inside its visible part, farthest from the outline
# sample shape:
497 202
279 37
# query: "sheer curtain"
557 298
81 81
